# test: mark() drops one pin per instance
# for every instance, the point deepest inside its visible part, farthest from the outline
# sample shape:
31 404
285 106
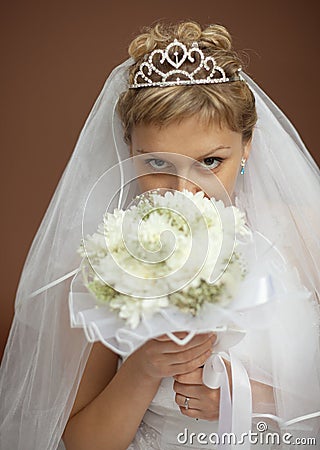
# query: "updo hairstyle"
228 104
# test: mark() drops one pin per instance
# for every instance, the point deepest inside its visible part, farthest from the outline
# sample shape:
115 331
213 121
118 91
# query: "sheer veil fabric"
44 358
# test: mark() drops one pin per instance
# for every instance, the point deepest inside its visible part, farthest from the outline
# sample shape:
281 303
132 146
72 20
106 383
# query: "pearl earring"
243 163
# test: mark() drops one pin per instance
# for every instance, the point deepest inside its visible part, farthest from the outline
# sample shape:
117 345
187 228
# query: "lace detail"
146 439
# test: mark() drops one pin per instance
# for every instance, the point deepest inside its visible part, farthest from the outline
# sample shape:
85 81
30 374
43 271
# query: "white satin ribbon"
55 282
215 376
234 415
241 401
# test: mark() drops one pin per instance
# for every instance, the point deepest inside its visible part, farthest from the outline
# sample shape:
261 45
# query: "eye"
157 163
211 162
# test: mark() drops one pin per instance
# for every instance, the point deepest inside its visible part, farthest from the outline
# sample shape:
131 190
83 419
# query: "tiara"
173 58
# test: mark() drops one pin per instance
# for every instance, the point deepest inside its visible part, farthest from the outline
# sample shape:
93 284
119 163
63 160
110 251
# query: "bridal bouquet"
173 251
180 262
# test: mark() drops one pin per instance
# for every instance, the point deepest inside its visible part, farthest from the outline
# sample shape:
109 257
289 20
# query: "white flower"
132 309
95 245
112 229
162 244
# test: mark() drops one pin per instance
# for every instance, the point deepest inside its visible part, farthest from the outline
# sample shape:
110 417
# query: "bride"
182 108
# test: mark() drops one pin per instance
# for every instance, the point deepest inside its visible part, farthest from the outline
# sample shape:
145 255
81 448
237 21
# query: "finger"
185 390
188 390
194 377
204 408
189 366
201 393
196 391
186 402
193 403
190 354
191 390
194 413
198 414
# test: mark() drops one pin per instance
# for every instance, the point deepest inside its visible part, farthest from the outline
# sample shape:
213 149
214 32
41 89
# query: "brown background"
56 56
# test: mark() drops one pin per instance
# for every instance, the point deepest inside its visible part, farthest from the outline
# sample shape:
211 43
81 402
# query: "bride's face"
187 155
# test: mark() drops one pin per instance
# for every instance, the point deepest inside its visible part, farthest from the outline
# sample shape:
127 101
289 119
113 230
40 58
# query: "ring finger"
187 402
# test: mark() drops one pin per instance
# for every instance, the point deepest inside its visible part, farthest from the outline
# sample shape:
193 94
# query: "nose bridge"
183 179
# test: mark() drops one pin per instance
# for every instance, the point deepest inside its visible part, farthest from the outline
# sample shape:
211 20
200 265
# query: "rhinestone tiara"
172 58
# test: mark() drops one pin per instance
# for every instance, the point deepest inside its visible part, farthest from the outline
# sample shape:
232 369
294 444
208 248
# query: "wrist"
140 373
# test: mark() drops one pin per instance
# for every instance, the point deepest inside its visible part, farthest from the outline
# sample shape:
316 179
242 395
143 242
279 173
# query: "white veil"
44 358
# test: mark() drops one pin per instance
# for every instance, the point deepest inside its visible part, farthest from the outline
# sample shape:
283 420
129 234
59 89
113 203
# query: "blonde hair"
229 104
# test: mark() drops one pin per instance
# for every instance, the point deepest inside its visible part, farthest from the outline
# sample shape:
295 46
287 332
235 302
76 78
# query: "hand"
161 357
203 401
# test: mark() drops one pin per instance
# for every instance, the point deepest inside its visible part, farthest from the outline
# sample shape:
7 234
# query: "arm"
108 398
123 399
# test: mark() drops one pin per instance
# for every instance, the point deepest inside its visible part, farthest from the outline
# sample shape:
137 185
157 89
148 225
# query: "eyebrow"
221 147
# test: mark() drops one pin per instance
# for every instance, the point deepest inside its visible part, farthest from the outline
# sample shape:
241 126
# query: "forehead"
189 136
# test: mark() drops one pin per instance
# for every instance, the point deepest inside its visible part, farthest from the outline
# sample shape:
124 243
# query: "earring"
243 163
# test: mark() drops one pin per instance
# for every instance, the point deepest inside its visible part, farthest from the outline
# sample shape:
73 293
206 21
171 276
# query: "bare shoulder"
100 369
